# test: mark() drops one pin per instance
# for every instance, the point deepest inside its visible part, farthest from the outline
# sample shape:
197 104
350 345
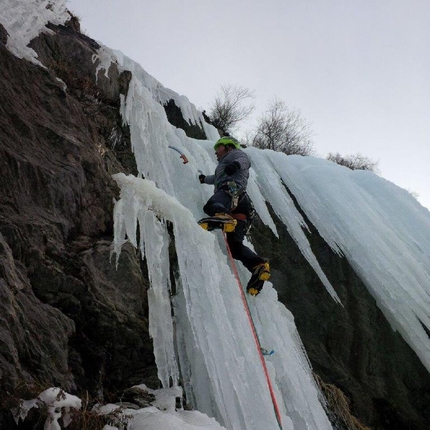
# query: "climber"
231 206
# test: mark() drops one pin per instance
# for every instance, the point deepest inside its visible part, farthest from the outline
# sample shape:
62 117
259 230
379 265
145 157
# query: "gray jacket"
241 175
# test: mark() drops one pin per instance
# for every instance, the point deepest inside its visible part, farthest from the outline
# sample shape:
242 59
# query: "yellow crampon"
229 227
226 227
253 291
260 274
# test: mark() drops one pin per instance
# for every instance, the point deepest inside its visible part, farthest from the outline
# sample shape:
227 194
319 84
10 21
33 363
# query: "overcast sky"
357 70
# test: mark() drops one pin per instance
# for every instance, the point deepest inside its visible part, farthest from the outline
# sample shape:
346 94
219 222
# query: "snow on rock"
162 415
26 19
58 404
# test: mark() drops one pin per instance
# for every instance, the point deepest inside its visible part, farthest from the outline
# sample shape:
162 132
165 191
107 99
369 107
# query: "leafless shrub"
284 130
354 161
339 405
230 107
85 419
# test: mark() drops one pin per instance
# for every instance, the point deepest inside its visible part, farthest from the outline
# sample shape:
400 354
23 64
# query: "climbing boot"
222 221
260 274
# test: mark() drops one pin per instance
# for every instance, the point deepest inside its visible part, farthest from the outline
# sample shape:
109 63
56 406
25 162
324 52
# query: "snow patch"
25 20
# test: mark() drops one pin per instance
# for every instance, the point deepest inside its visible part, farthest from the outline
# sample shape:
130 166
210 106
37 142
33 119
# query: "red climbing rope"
254 333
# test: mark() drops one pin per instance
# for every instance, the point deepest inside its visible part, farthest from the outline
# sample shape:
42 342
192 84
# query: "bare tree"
354 161
229 106
284 130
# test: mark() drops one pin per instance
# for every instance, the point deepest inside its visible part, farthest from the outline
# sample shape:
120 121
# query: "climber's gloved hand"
202 178
232 168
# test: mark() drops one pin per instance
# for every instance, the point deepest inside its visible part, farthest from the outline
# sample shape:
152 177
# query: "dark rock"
68 317
3 35
136 396
175 117
73 23
33 335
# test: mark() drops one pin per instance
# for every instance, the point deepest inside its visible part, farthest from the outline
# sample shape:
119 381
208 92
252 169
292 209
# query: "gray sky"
357 70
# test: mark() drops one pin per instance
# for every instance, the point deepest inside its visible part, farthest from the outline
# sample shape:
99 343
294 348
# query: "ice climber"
231 205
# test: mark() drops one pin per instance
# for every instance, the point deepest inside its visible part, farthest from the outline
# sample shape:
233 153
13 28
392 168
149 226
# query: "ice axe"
183 156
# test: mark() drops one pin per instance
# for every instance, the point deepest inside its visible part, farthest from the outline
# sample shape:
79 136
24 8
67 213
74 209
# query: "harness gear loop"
235 191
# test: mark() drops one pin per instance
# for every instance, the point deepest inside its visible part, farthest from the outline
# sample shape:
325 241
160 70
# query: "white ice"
381 229
210 333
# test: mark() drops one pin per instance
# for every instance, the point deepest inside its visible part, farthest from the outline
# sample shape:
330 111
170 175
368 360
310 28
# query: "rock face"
69 318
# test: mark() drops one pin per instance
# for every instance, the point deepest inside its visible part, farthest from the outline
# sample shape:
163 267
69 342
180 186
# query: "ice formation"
352 210
209 336
207 345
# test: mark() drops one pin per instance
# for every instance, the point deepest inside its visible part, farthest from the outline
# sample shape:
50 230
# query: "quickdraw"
235 191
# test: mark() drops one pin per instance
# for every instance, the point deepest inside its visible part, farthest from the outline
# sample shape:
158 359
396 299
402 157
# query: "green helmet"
227 140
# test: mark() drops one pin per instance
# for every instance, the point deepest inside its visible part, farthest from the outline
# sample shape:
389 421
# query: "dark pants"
221 202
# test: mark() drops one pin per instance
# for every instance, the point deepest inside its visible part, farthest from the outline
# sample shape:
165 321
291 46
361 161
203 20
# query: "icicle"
160 319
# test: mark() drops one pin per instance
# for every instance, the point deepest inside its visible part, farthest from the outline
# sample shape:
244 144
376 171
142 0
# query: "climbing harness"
254 333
